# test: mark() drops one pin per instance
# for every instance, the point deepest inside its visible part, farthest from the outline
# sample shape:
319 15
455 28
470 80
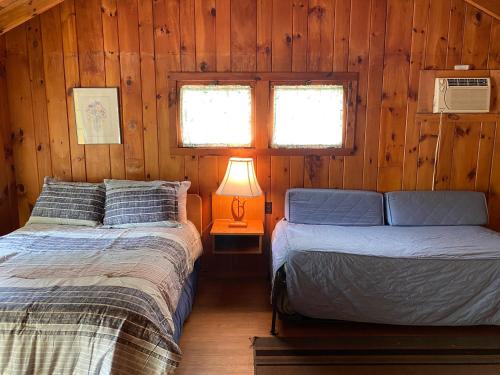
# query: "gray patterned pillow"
71 203
141 203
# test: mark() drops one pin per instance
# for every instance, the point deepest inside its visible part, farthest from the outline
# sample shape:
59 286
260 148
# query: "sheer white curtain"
216 115
308 116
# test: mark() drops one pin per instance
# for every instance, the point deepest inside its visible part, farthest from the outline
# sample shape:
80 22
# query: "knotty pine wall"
132 44
8 203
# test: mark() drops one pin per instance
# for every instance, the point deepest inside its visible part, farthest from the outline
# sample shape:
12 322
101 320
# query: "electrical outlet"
268 208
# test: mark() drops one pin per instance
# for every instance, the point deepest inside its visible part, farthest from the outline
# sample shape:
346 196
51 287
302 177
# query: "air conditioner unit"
462 95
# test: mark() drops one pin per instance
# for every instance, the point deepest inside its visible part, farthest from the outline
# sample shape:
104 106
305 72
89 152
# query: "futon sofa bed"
408 258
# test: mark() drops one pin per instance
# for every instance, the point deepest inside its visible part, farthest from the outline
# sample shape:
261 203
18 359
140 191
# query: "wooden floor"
228 313
217 337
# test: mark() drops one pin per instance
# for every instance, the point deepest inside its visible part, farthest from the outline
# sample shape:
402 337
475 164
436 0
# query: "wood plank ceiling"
15 12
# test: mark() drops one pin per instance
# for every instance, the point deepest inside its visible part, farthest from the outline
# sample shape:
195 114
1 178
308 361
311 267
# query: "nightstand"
230 240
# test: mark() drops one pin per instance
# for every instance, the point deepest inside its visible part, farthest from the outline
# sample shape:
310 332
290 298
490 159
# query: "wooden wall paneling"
465 155
494 191
92 74
53 61
208 168
359 55
243 35
395 89
206 60
341 32
320 35
300 10
321 21
417 57
205 14
188 34
191 168
167 48
455 33
263 172
131 83
316 169
22 123
495 88
39 98
442 174
72 79
282 30
374 96
113 77
264 34
426 154
188 64
476 38
280 182
8 198
264 21
336 172
494 56
388 43
484 158
223 29
148 89
437 36
297 165
282 41
222 162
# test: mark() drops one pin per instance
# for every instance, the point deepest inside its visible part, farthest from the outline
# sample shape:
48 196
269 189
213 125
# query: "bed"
433 264
84 300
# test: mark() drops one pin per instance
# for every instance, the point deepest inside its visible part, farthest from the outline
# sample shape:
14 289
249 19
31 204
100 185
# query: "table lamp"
239 181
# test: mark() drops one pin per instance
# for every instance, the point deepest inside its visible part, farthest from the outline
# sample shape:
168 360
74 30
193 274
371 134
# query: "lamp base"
237 224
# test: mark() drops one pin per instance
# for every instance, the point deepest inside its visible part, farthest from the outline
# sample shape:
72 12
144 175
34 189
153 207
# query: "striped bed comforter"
77 300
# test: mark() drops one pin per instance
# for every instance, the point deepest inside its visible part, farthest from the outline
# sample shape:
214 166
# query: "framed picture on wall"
97 116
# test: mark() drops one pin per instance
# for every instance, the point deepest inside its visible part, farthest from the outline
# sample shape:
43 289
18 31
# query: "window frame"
262 85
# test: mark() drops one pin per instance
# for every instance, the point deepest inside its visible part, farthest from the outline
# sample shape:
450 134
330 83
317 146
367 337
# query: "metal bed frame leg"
273 322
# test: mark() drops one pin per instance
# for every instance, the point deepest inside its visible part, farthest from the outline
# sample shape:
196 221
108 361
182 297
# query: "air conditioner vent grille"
470 82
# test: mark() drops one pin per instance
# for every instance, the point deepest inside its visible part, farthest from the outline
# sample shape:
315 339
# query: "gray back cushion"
428 208
334 207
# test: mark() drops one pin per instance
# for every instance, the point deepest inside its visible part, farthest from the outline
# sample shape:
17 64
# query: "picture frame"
97 116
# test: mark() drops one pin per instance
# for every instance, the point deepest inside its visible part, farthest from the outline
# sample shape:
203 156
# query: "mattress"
83 300
448 275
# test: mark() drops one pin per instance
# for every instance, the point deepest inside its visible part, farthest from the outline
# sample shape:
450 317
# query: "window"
308 116
248 114
216 115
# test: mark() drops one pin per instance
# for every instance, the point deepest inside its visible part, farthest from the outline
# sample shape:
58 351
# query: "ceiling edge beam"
21 11
491 7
